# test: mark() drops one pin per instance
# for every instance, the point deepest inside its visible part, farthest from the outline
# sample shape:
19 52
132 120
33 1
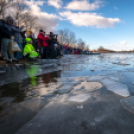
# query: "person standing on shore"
53 45
19 39
43 44
6 30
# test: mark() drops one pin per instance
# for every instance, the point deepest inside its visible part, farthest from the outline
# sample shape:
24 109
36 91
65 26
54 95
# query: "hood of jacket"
28 40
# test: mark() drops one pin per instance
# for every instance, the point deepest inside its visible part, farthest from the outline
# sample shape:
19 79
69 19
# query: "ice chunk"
98 119
93 124
80 106
40 70
2 72
114 78
55 85
119 89
96 78
79 79
79 98
75 83
131 69
64 89
65 79
107 82
88 86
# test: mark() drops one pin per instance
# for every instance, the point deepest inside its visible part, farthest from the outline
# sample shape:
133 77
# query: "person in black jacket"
52 46
7 31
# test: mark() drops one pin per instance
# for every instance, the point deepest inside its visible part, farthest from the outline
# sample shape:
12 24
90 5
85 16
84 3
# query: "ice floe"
64 89
88 86
112 84
79 98
55 85
119 89
96 78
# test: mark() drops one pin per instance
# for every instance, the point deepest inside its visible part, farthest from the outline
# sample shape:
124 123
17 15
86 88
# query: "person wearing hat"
7 31
43 44
53 46
19 40
29 50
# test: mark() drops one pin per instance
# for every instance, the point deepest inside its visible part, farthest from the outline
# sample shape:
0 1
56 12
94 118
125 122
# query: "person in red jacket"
43 44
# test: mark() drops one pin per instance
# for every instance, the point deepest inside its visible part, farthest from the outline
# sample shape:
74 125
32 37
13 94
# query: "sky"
107 23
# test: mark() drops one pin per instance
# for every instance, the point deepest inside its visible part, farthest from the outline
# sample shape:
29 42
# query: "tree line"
68 37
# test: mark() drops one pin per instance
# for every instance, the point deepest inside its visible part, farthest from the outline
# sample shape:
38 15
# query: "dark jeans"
53 54
45 53
58 53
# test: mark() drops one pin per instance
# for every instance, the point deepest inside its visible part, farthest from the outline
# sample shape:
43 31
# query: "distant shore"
115 51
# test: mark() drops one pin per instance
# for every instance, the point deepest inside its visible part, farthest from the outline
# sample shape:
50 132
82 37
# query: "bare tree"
62 36
17 11
70 38
29 20
87 48
101 49
4 4
66 36
81 44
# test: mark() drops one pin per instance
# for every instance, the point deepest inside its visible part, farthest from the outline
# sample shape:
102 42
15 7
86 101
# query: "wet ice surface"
82 98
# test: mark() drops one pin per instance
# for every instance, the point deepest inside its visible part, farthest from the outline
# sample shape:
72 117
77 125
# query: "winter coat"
7 30
53 41
34 42
17 35
4 31
29 49
42 40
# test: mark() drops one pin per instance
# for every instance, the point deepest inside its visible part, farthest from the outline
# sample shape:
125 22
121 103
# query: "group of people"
17 44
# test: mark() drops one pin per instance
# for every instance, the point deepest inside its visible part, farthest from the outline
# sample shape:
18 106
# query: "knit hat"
9 18
29 32
41 31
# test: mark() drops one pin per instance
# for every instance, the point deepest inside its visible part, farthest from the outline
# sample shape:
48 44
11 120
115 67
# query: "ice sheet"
64 89
119 89
79 98
96 78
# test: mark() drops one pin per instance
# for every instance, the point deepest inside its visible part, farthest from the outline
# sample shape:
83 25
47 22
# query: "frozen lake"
78 94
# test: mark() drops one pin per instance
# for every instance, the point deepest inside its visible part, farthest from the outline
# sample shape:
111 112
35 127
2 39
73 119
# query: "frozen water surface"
78 92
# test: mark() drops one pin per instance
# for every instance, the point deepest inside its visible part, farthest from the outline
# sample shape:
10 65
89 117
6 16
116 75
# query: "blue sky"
98 22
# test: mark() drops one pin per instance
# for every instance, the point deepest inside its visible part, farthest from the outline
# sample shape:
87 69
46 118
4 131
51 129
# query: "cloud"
84 5
55 3
89 19
32 2
116 8
123 43
46 20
